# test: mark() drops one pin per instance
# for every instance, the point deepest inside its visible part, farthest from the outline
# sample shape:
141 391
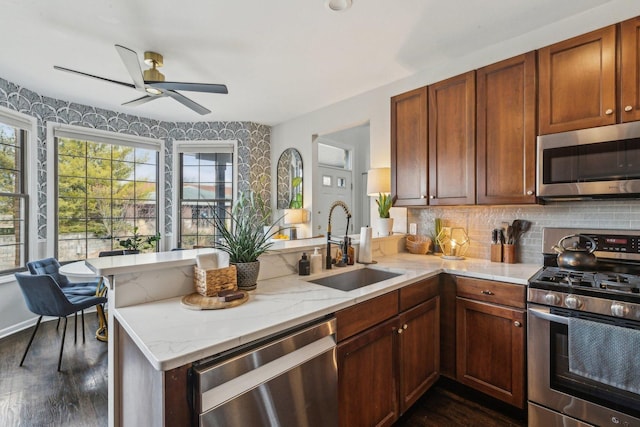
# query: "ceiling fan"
152 82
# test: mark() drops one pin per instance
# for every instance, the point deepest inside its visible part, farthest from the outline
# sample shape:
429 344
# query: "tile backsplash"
480 220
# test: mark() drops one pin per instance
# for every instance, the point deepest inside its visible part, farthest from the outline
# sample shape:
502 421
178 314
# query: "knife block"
496 252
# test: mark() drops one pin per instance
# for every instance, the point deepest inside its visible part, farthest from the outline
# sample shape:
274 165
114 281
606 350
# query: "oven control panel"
616 243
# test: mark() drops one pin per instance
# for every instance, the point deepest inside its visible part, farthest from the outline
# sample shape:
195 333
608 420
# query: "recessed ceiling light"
338 5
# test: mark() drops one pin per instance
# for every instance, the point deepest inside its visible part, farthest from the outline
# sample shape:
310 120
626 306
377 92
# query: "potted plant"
136 243
243 236
385 223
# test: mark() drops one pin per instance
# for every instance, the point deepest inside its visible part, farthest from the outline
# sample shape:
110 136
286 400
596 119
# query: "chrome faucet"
344 206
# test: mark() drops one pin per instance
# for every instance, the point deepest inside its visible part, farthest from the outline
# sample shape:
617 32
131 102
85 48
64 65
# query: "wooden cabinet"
409 148
490 338
452 129
630 70
419 351
577 86
383 369
506 131
367 394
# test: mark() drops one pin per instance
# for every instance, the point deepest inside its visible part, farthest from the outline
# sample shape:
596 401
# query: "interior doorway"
340 163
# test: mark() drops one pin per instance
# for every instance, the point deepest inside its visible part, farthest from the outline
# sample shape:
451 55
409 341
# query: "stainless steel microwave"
595 163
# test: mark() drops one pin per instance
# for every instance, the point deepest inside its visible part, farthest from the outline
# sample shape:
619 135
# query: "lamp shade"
378 181
294 216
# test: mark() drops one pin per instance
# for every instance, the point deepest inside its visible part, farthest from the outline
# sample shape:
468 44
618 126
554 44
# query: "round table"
78 272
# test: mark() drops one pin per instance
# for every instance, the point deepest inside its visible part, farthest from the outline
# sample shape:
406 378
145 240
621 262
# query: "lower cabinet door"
419 357
367 393
491 349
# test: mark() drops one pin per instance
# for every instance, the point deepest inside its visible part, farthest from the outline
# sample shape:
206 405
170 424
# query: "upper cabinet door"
506 131
577 82
409 148
630 70
452 155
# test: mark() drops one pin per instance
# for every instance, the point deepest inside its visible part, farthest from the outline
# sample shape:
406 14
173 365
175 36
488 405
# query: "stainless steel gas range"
584 333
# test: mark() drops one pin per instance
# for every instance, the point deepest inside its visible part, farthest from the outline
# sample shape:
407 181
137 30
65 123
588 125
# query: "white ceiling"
279 58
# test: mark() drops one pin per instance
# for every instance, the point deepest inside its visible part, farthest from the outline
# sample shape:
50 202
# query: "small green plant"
384 202
241 229
138 242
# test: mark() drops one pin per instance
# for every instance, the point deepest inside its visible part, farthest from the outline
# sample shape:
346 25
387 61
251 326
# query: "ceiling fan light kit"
152 82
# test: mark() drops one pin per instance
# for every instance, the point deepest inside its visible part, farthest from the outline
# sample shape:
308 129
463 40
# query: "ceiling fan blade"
193 87
130 59
92 76
142 100
187 102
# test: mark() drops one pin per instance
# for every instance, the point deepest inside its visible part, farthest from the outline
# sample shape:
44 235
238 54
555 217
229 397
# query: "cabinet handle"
485 292
609 112
423 196
628 108
432 197
400 330
404 326
529 193
517 324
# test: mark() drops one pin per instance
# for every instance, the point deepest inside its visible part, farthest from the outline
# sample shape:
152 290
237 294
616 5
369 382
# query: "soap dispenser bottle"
304 266
316 262
351 253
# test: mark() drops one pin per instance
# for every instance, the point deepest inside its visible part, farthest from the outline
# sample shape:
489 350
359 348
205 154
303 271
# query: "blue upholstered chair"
44 297
51 266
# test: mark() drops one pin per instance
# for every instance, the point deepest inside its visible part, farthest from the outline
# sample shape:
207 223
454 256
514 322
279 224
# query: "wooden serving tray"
195 301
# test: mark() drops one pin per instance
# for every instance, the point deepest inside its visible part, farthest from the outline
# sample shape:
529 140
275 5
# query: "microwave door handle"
544 314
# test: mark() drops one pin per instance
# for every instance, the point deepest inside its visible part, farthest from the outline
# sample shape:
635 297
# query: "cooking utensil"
576 257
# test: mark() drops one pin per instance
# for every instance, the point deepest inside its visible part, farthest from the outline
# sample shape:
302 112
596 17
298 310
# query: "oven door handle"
544 314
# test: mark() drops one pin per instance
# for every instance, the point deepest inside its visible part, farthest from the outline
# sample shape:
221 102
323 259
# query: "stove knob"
619 310
572 302
552 299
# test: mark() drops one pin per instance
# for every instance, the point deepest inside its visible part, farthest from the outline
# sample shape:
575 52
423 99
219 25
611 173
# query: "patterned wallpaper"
254 140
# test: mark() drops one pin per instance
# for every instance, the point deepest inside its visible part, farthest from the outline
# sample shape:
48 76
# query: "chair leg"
75 329
64 333
31 340
83 340
58 324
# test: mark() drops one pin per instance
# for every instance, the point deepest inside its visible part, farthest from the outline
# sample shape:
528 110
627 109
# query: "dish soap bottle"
304 266
351 253
316 262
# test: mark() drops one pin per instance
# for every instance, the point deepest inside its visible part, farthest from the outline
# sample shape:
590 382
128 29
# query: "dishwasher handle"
252 379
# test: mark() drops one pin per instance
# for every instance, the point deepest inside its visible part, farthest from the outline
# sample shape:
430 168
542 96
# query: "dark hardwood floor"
451 404
37 395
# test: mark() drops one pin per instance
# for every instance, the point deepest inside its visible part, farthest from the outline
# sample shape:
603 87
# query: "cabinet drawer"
364 315
496 292
416 293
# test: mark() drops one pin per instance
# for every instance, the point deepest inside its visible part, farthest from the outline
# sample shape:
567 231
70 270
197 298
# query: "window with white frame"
206 179
14 137
107 191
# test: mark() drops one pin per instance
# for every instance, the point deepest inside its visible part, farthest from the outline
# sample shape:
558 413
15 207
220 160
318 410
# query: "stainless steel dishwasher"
289 379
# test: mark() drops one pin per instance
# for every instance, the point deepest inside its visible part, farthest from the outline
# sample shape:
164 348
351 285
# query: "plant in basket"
243 236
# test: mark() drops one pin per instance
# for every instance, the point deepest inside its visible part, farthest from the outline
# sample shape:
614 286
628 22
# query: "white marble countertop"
171 335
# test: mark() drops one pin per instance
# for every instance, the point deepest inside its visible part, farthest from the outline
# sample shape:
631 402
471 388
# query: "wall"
373 106
254 168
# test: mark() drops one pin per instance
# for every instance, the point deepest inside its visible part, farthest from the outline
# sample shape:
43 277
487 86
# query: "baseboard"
29 323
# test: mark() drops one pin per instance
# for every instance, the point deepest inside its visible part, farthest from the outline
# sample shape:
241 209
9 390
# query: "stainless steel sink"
354 279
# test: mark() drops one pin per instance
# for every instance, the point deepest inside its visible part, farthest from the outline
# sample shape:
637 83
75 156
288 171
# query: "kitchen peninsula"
154 339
